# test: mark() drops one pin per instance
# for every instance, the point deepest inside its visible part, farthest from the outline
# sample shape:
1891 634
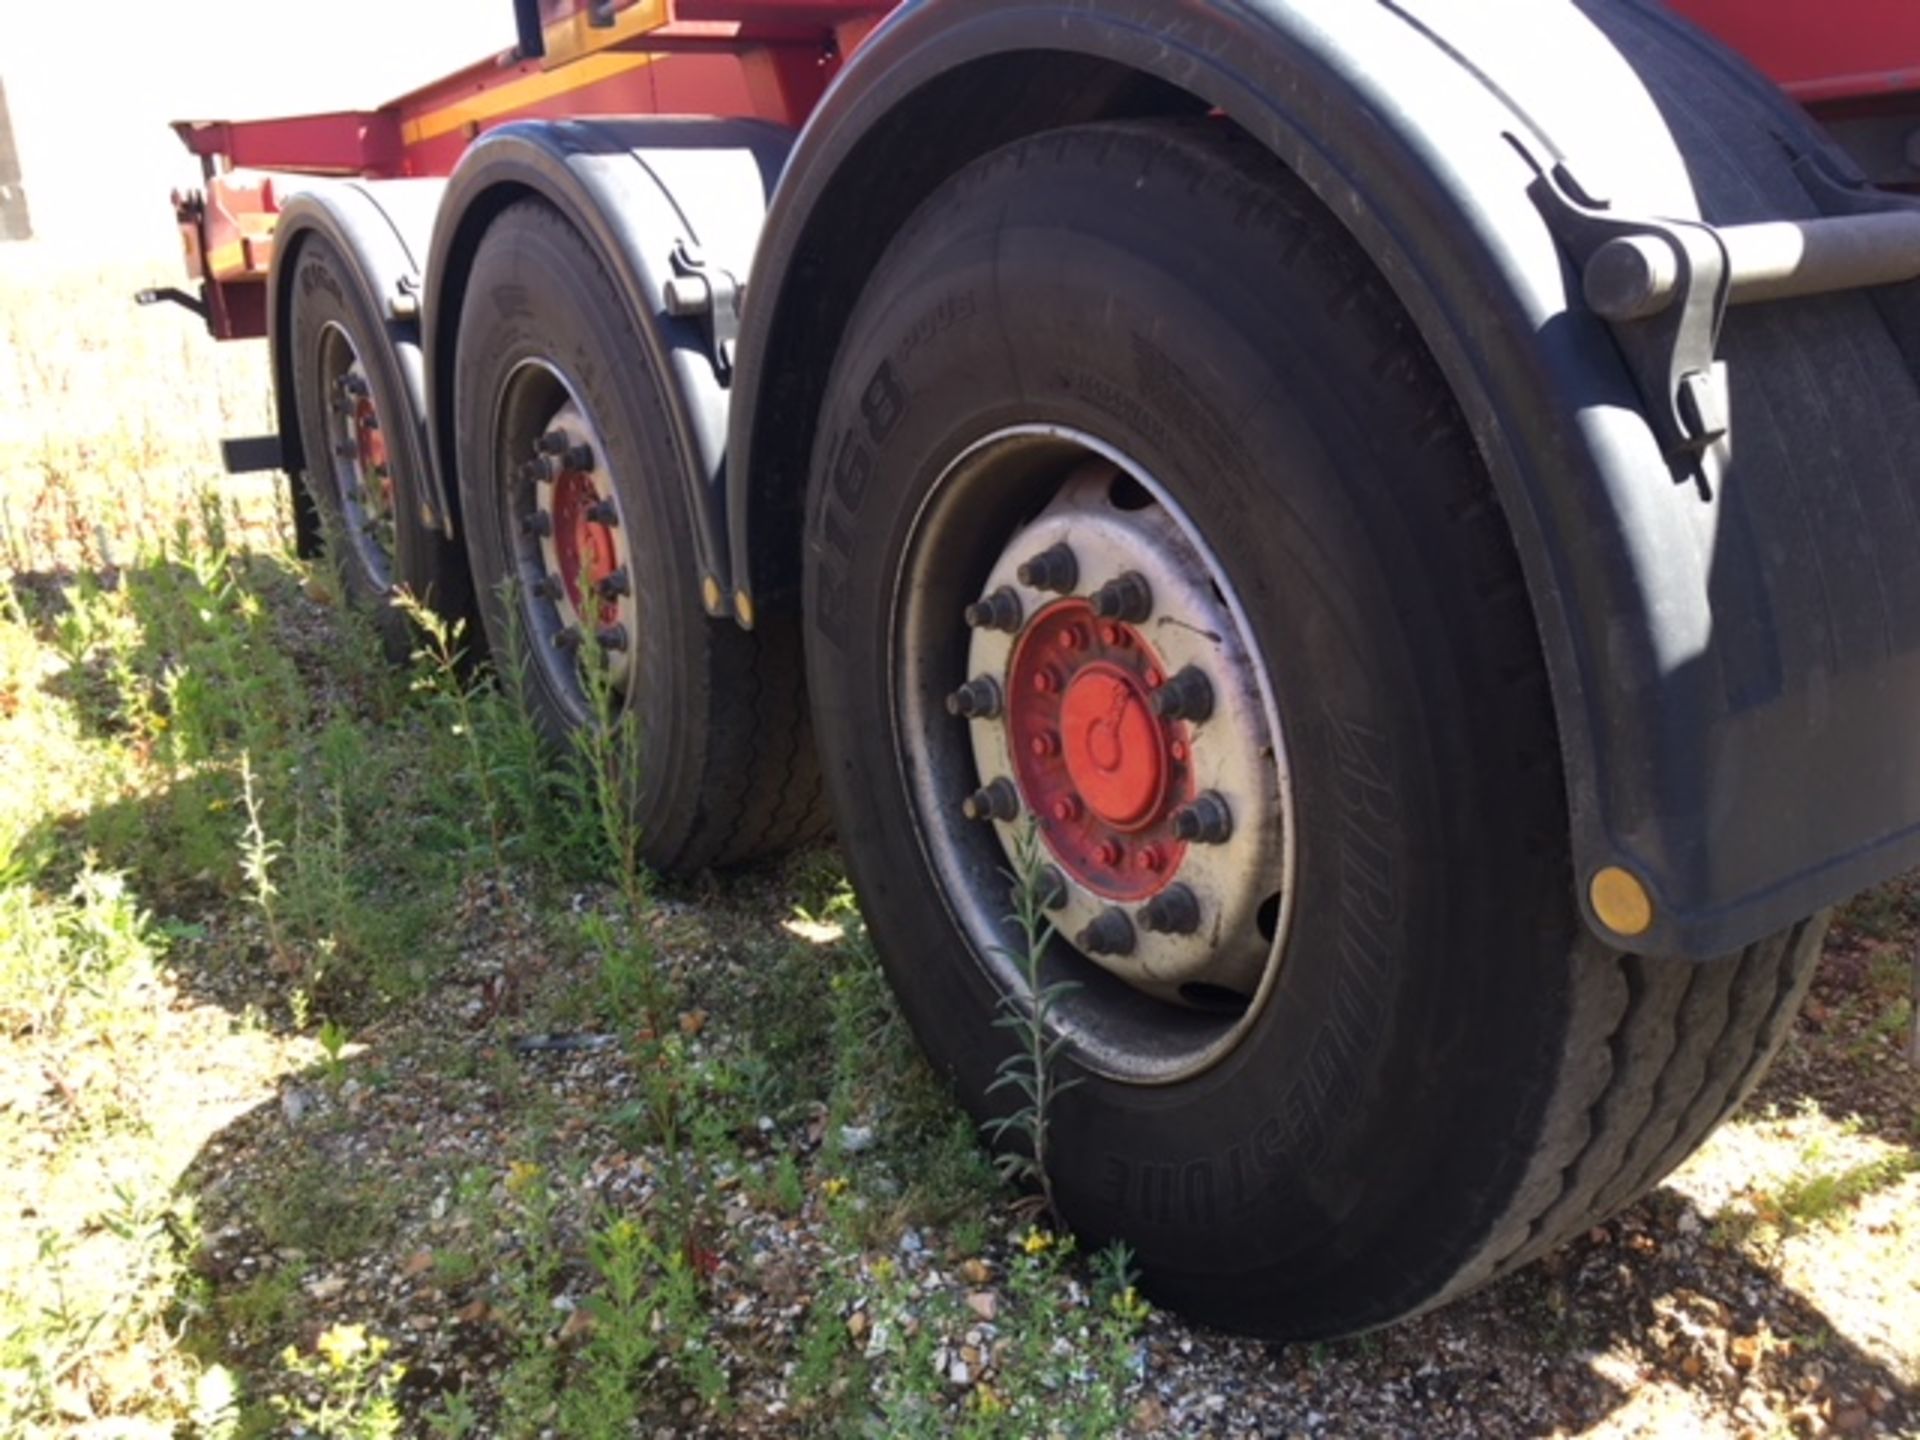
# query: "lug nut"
976 700
547 587
1128 599
578 458
612 637
1109 854
1207 821
567 639
1111 933
369 422
615 586
602 512
1044 747
1054 568
1174 911
999 611
539 525
1150 860
354 385
1050 888
1186 696
997 801
1066 809
554 442
533 472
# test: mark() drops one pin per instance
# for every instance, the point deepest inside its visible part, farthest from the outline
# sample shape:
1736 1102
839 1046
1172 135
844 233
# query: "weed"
259 855
346 1389
1032 1070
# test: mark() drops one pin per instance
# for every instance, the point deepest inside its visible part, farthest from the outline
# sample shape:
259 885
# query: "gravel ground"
1740 1299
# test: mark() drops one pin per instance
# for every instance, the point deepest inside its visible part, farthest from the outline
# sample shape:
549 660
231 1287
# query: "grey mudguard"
380 228
1735 666
636 190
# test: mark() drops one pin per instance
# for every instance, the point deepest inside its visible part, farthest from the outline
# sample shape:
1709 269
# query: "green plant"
346 1389
1032 1069
333 1042
258 857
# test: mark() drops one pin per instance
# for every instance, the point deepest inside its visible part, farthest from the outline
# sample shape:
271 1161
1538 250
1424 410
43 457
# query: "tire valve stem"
612 637
554 442
996 801
999 611
616 586
1186 696
1174 911
1208 820
976 700
1110 933
1054 568
603 512
1127 598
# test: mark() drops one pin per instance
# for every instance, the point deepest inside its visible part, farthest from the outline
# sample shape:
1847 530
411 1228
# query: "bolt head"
1109 854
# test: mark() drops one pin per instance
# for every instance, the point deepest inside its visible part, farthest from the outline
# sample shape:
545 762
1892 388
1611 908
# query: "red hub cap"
584 546
1100 770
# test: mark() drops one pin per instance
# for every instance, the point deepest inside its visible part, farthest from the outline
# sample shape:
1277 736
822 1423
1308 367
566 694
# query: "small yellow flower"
836 1187
521 1176
883 1269
1129 1306
986 1401
342 1344
1038 1242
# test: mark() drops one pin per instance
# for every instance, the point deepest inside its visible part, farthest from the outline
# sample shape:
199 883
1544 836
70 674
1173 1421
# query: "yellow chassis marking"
569 39
573 61
518 94
227 259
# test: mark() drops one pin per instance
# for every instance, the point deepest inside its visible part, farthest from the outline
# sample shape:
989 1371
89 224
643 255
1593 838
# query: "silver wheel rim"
1183 997
359 460
568 535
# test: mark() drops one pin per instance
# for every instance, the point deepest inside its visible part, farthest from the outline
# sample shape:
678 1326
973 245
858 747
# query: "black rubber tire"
728 772
326 291
1451 1074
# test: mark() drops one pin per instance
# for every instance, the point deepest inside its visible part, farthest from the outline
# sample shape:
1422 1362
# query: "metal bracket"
702 291
1669 350
171 295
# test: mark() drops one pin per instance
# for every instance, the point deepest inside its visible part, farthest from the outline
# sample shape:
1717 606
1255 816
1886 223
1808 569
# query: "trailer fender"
381 229
1735 660
673 210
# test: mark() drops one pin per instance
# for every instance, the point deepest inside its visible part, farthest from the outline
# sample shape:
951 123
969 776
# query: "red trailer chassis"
1853 62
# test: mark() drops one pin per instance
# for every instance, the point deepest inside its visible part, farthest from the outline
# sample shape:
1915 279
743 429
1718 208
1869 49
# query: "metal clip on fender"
1669 348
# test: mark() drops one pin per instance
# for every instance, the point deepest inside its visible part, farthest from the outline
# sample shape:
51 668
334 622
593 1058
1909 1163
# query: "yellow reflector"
743 607
710 594
1621 902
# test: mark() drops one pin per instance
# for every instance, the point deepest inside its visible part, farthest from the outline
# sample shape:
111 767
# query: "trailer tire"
1442 1072
336 330
727 769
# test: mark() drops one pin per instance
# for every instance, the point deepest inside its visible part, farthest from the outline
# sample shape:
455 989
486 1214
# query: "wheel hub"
585 593
1113 703
361 466
1091 755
